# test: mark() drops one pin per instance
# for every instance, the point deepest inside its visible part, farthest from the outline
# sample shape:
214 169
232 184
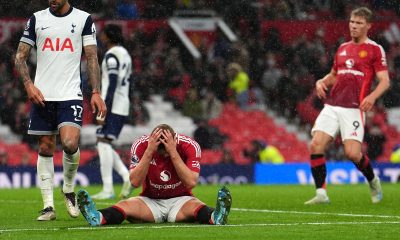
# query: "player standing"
356 64
59 34
168 166
116 74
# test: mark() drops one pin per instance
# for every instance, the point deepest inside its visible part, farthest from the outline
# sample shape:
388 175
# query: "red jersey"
355 66
162 181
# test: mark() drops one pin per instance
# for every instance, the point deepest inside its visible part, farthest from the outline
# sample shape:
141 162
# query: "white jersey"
116 73
59 41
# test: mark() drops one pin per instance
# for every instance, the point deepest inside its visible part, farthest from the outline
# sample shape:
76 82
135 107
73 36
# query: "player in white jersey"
116 74
59 33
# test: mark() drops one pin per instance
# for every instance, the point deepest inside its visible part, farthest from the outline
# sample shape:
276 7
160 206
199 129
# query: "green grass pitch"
258 212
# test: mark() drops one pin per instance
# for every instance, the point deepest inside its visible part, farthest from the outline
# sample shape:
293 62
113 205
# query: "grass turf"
258 212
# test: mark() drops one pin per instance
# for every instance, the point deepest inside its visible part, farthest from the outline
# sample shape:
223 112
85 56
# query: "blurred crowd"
266 9
252 72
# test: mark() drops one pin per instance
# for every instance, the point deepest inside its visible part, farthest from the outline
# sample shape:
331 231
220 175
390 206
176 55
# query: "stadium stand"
164 70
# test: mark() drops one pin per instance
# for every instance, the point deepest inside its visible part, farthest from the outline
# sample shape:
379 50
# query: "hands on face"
160 136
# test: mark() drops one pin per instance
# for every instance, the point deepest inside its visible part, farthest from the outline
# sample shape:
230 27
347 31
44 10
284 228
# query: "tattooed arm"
96 101
34 94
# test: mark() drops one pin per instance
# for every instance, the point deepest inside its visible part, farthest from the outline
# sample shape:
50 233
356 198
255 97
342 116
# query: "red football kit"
355 66
162 181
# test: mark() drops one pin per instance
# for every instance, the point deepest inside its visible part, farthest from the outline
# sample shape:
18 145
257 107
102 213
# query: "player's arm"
139 172
93 68
383 85
34 94
188 177
325 83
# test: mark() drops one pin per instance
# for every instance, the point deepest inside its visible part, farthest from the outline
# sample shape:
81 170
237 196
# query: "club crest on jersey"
58 45
73 27
363 54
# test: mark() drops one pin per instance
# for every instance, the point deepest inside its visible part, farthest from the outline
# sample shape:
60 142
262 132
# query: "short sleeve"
380 62
137 151
193 156
89 32
112 63
29 35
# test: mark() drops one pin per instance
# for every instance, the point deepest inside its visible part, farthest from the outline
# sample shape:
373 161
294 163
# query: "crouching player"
167 165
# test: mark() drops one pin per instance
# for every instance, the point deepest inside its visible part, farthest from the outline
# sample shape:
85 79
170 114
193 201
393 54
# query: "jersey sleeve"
380 62
29 35
89 32
193 154
112 63
137 151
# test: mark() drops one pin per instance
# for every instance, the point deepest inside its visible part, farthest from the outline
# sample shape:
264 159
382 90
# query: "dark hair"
114 33
363 12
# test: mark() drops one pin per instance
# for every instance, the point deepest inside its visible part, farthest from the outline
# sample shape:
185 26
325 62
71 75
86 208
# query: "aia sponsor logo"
58 45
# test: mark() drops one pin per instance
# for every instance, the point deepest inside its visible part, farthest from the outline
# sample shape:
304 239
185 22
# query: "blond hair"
363 12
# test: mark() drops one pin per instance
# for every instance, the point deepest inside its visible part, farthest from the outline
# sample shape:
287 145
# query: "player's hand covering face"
169 141
154 140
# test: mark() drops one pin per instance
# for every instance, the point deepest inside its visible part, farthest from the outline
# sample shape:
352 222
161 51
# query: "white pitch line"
250 210
315 213
132 226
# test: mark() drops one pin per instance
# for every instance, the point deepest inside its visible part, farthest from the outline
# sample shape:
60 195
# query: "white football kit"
116 61
59 41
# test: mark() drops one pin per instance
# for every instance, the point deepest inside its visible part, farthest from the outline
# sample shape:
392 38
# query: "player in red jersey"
356 64
167 166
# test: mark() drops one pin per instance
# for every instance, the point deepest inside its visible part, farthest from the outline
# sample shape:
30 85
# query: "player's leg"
133 209
69 120
352 149
325 129
71 156
122 170
194 209
43 124
45 171
352 131
105 135
106 166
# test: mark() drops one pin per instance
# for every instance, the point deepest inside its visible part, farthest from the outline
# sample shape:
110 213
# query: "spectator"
395 156
227 157
211 105
262 152
192 106
239 83
202 135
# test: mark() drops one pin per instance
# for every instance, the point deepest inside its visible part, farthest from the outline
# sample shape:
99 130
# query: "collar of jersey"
65 14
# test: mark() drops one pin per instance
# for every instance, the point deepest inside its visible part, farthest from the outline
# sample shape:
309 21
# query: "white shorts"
165 210
350 122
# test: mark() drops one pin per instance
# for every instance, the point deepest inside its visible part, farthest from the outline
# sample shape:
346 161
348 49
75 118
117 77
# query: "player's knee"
46 148
316 146
352 155
69 145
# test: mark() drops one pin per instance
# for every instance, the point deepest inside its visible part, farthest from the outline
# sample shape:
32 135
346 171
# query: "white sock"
45 172
70 167
106 165
120 167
